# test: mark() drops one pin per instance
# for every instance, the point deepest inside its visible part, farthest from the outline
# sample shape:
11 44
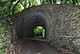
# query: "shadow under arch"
33 20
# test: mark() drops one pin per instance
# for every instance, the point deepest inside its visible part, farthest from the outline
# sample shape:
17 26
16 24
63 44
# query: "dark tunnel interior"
31 23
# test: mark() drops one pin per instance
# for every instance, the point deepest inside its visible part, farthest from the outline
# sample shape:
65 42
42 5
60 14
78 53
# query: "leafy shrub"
5 37
39 32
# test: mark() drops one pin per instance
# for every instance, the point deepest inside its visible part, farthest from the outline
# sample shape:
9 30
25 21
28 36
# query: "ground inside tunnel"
37 47
32 46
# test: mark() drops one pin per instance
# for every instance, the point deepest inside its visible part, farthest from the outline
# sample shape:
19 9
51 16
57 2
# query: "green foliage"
9 7
5 44
2 30
61 1
39 32
5 35
18 9
1 45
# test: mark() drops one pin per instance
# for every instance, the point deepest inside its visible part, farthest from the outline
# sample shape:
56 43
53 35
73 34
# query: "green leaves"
61 1
5 44
39 31
4 37
9 7
18 9
2 30
1 45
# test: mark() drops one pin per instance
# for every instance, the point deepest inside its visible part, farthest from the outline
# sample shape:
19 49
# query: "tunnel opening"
33 23
39 32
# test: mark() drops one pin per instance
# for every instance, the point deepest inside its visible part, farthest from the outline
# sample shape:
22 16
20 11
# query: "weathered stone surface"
62 22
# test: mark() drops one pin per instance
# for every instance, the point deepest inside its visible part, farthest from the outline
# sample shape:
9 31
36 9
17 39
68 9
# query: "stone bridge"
61 22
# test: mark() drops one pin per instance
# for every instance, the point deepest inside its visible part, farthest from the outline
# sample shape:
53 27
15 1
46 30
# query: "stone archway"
61 22
35 19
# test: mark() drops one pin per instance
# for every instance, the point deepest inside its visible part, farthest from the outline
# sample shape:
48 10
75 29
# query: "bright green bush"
39 32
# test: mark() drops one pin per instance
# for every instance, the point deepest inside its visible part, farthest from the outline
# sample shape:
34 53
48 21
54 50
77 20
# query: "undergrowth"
5 37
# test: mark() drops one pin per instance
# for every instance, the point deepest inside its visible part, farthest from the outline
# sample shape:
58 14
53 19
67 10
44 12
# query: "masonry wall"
62 22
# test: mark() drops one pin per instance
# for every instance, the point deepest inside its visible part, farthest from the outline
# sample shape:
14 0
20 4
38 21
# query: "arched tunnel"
36 46
32 21
25 30
59 22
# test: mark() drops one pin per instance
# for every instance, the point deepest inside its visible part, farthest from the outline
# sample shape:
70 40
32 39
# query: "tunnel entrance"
39 32
34 24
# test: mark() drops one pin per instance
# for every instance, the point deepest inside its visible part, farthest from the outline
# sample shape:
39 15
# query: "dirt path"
37 47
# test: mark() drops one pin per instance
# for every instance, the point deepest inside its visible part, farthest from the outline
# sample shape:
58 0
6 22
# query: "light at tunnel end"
39 32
